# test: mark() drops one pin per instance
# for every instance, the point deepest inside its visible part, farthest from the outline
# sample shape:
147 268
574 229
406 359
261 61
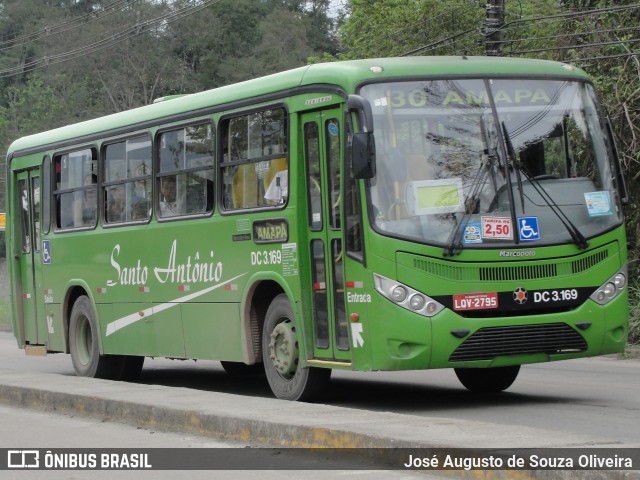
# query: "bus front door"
322 132
32 330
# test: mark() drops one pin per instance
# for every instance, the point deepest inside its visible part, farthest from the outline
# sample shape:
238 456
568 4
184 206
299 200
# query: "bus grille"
506 271
488 343
519 272
587 262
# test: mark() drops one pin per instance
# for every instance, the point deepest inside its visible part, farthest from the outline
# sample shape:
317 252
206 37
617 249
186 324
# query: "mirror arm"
363 110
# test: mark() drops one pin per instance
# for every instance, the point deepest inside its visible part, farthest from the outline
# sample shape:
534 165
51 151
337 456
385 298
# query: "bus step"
36 350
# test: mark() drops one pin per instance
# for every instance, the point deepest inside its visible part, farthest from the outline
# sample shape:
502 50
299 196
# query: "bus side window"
314 181
76 200
353 220
127 180
185 172
333 147
255 165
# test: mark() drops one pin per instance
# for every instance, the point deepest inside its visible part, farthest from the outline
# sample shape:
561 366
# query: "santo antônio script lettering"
195 269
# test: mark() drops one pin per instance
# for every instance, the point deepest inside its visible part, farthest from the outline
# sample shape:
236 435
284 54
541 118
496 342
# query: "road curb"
266 432
276 423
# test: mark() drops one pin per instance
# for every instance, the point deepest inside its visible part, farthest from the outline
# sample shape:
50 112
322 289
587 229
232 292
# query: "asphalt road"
597 396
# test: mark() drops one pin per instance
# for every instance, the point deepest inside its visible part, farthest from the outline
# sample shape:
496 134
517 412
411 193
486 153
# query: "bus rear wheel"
487 380
84 344
280 354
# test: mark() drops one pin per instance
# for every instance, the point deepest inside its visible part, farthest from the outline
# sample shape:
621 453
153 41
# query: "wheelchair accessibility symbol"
46 252
528 229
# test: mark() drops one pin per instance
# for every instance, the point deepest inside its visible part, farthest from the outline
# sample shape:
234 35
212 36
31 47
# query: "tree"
378 28
230 42
65 61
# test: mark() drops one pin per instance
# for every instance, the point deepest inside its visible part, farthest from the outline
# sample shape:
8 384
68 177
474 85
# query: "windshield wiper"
471 201
513 160
576 235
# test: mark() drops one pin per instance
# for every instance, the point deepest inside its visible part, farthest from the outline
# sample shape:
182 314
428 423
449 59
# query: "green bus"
381 214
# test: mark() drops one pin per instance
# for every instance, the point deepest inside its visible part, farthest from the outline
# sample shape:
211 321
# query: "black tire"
84 344
242 369
487 380
131 368
287 380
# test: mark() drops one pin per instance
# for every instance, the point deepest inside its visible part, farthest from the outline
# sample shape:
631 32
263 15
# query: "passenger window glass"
255 167
76 183
46 194
25 216
314 181
332 133
185 175
127 185
353 219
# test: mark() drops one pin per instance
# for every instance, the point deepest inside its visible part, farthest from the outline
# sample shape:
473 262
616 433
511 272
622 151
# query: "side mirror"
363 155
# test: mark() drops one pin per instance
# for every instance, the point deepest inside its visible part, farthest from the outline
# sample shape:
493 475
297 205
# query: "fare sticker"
497 228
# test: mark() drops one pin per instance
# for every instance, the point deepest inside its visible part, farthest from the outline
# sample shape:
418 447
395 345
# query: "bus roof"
346 75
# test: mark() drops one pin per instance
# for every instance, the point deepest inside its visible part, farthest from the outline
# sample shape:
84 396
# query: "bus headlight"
417 302
399 293
406 297
619 280
611 288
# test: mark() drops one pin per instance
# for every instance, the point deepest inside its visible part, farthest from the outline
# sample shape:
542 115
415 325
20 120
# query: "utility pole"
494 21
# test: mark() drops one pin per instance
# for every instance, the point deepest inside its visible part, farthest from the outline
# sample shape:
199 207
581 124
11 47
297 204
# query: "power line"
65 26
569 35
604 57
114 39
574 14
437 43
512 25
576 47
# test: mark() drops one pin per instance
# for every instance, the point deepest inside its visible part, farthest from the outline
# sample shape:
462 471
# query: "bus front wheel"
487 380
84 347
280 354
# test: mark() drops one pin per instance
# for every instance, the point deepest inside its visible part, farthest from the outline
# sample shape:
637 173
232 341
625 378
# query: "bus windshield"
490 162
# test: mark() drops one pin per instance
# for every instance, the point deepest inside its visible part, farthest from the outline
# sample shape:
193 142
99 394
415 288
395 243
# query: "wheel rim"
84 340
283 349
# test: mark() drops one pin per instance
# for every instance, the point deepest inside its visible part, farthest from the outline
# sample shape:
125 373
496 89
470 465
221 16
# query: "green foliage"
234 41
379 28
102 60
